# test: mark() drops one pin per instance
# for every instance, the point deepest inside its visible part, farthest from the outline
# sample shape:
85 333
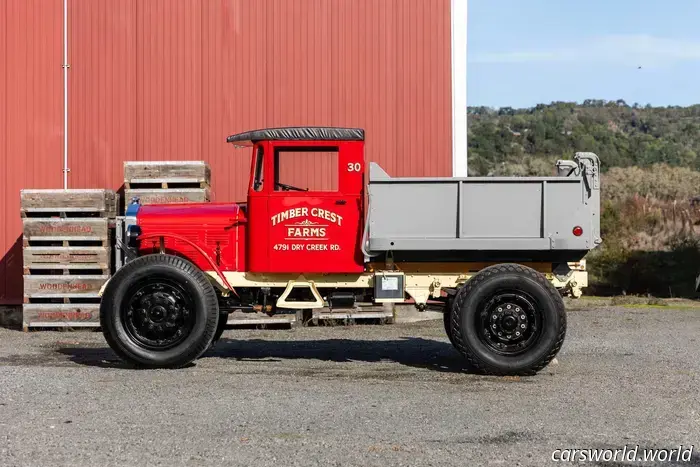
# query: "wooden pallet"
168 196
106 243
383 313
67 254
72 258
52 229
63 286
69 234
164 185
93 299
166 174
350 316
60 315
358 315
238 318
68 203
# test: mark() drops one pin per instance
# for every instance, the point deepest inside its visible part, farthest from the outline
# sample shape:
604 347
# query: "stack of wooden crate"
67 255
166 182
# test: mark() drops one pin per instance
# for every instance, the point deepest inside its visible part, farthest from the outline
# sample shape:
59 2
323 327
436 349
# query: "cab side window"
299 168
258 178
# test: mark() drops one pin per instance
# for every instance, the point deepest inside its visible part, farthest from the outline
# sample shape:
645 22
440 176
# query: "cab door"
256 246
314 207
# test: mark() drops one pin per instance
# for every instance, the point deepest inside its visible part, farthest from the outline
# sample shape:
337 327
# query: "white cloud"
644 50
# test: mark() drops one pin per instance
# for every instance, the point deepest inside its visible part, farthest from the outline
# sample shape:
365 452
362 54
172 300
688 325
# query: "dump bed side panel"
413 210
496 210
483 213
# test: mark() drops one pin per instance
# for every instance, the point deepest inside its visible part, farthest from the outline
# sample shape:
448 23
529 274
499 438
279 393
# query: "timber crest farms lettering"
304 228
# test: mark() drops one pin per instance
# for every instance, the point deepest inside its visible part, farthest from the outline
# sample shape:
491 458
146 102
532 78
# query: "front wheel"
159 311
508 320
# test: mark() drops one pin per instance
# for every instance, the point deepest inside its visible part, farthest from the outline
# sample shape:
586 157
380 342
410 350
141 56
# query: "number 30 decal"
354 167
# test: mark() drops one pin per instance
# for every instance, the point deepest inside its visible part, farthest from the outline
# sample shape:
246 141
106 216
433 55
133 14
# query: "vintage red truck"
486 250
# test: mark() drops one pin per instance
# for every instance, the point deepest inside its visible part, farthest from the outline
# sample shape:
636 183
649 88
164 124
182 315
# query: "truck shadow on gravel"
410 351
414 352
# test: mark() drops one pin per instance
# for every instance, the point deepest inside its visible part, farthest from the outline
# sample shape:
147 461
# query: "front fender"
198 249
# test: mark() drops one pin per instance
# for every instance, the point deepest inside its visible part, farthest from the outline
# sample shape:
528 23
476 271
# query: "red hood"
202 214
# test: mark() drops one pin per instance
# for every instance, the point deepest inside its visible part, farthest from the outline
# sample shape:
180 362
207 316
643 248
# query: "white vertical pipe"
459 88
65 94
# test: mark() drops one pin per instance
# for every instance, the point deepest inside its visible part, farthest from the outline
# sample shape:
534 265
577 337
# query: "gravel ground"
358 395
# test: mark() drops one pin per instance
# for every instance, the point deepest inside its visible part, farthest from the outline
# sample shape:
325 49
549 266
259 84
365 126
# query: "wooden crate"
67 254
67 232
64 287
168 196
68 203
53 315
65 229
72 258
166 174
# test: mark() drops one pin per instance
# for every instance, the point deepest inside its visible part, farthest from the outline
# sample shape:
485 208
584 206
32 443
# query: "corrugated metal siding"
102 91
234 91
31 132
170 79
5 228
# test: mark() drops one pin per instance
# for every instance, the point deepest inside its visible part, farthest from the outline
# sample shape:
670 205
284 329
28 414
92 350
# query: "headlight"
132 233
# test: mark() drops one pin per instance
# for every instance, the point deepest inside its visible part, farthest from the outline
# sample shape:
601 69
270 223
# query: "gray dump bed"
486 213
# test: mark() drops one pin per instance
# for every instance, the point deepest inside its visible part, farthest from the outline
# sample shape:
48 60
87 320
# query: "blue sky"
525 52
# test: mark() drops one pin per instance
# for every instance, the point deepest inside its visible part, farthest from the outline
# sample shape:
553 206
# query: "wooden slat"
67 257
63 286
166 171
61 315
68 201
168 196
242 318
67 243
355 315
66 229
164 184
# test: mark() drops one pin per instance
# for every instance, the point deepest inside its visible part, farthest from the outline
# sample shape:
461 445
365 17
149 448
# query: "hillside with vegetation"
651 177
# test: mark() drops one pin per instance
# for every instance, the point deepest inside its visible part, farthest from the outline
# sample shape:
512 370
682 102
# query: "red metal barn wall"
170 79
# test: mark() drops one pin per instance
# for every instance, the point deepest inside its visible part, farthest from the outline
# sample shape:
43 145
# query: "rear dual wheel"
507 320
159 311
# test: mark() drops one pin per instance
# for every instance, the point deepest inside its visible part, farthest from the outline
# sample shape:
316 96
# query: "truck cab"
284 226
296 228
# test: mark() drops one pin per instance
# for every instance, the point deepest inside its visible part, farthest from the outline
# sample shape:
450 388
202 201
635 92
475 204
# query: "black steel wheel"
508 320
159 311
